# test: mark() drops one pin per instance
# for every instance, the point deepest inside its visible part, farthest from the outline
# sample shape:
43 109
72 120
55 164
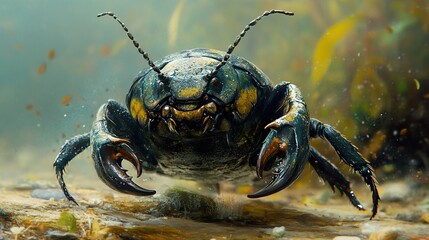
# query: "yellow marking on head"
189 93
245 102
195 115
138 111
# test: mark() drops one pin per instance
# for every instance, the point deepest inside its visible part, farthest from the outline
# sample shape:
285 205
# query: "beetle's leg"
112 138
288 139
328 172
348 154
68 151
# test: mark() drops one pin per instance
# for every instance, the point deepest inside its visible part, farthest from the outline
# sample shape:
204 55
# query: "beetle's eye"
216 83
160 86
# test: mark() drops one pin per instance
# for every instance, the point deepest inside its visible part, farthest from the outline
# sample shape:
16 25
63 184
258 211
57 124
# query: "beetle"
210 116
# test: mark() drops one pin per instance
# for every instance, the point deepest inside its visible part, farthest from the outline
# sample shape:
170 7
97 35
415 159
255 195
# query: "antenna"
241 35
162 77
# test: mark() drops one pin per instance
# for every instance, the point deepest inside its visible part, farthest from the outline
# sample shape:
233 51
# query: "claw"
272 146
110 169
125 152
287 143
272 125
290 163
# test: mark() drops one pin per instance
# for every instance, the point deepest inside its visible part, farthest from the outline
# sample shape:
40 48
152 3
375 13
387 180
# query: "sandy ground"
299 212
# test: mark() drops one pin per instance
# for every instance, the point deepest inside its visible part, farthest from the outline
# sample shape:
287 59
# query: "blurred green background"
361 65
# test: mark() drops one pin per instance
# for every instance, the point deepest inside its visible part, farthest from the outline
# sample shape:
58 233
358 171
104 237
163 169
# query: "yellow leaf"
174 22
322 55
67 220
368 91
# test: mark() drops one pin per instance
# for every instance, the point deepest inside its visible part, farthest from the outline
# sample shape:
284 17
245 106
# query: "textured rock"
387 233
346 238
279 231
48 194
394 191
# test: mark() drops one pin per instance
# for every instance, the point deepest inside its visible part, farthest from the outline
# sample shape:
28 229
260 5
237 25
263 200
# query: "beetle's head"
187 100
186 95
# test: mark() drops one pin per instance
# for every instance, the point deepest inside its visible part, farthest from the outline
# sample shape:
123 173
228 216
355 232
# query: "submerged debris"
67 220
4 216
186 203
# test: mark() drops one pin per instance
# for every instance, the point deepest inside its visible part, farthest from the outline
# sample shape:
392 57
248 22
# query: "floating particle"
51 54
29 107
389 29
417 84
42 68
66 100
105 50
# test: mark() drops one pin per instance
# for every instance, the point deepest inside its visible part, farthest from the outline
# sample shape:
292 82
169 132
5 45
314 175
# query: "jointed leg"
68 151
348 154
328 172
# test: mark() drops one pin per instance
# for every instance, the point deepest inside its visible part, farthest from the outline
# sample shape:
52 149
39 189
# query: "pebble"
408 217
60 235
387 233
346 238
395 191
279 231
48 194
425 217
